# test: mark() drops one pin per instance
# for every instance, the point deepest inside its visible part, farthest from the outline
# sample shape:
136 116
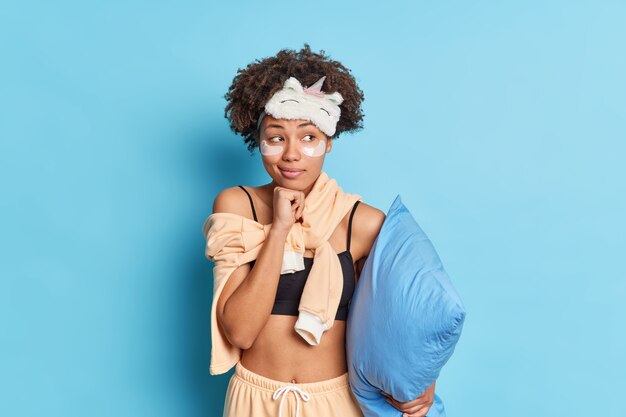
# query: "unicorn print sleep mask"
296 102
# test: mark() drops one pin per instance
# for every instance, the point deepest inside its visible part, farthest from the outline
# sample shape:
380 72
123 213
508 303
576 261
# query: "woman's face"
296 145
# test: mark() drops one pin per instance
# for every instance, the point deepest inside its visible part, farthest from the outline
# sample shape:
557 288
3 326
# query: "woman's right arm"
247 299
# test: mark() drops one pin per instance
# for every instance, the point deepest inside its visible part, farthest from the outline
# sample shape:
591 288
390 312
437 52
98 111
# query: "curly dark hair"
253 86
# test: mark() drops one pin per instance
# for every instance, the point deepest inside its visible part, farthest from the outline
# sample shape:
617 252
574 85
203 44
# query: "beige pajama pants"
251 394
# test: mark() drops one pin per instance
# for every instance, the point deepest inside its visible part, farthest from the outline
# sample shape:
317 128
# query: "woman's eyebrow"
281 127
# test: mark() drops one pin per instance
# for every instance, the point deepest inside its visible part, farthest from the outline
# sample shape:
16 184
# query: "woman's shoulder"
369 217
232 200
366 224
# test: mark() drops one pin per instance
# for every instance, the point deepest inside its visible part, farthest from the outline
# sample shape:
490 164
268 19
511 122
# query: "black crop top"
291 286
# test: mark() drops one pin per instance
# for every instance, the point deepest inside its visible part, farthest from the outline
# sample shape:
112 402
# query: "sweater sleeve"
231 241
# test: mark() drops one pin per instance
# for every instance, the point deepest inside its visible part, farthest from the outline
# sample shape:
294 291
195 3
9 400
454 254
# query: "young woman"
281 372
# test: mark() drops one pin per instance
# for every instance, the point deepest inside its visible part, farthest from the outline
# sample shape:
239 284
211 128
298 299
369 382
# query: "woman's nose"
292 150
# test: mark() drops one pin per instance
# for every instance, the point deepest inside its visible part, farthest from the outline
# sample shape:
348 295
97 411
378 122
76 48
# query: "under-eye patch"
314 150
308 149
267 149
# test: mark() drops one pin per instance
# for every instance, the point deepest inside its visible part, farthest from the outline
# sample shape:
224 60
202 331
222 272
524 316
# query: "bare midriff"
281 354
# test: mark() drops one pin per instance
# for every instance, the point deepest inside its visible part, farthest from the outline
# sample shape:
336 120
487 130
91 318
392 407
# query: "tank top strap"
350 223
251 203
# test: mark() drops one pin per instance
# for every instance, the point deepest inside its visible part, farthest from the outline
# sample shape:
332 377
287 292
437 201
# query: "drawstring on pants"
284 390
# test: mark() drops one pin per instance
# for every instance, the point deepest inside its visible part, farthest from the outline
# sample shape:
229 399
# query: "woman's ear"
329 143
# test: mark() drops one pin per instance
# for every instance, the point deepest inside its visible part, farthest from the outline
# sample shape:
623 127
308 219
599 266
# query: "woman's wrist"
279 231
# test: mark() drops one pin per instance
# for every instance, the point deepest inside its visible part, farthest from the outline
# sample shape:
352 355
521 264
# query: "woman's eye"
310 136
275 137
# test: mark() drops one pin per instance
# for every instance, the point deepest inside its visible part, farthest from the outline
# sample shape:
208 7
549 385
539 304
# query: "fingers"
416 408
415 411
300 204
420 412
403 406
296 200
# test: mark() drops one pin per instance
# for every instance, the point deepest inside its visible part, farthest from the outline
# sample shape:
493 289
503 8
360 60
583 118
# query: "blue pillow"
405 318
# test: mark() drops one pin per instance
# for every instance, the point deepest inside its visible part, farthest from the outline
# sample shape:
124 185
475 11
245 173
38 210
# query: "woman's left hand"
418 407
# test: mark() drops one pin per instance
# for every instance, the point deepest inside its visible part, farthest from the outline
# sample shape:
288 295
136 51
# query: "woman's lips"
290 174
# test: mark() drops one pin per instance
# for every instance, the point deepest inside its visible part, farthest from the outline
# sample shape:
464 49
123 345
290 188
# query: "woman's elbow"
240 341
236 335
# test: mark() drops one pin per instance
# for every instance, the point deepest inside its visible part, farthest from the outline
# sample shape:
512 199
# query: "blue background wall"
501 124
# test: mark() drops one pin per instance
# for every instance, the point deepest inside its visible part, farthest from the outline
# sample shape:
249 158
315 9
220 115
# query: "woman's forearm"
247 310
